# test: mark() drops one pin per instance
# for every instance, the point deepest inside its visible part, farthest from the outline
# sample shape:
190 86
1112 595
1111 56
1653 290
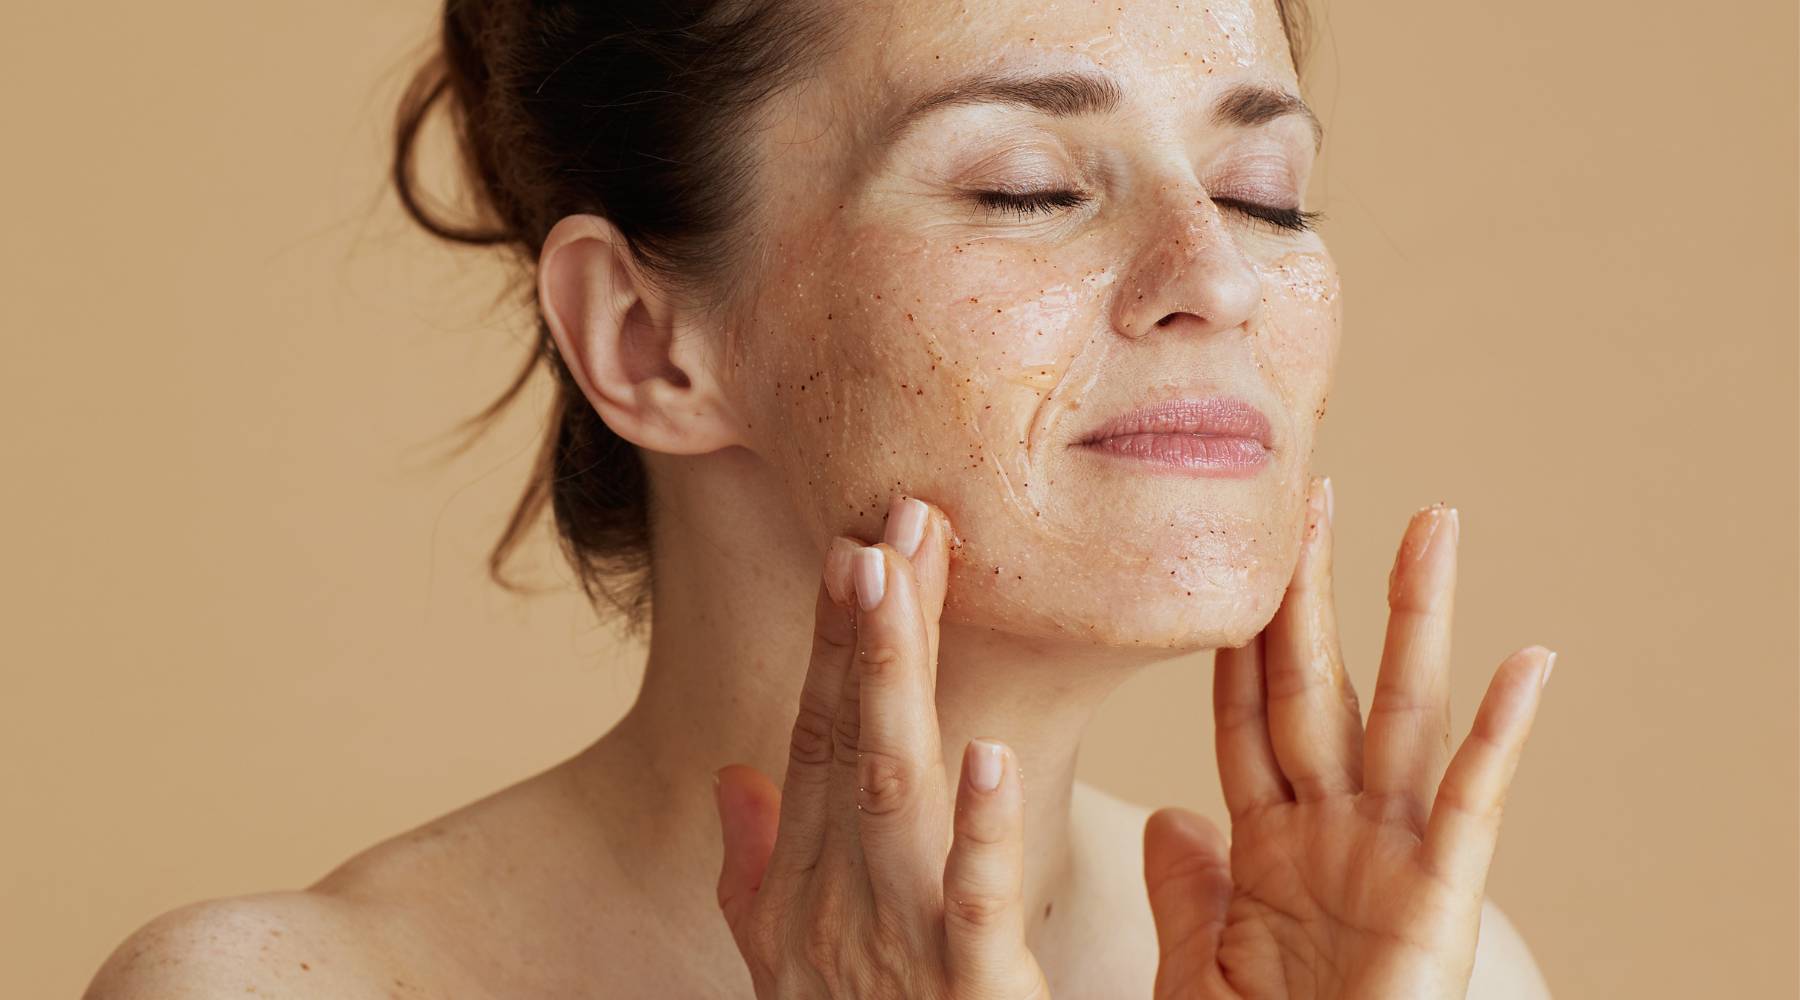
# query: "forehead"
906 47
892 55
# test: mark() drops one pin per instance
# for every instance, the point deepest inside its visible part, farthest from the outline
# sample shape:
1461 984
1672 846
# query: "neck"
733 592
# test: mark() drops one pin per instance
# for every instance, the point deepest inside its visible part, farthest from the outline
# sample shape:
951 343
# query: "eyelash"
1292 220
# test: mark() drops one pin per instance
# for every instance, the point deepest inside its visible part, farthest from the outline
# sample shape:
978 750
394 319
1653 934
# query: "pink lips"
1214 436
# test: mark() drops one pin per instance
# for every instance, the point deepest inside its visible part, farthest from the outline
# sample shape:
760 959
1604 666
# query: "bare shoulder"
282 945
1504 968
395 920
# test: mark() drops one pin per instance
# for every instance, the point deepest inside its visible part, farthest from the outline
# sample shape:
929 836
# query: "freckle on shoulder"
279 944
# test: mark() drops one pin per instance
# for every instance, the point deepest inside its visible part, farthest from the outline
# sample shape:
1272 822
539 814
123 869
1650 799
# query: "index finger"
805 791
1408 742
902 801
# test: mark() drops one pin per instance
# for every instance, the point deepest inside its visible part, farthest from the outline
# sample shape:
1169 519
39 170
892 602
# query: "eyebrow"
1069 94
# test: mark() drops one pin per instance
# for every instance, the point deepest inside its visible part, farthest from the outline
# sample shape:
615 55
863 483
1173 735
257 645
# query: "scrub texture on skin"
906 338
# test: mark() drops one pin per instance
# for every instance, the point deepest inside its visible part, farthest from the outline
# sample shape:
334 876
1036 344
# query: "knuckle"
833 639
980 831
885 783
810 744
1197 868
1284 682
1400 808
975 827
880 659
846 735
1233 716
1457 800
1490 739
974 909
1398 703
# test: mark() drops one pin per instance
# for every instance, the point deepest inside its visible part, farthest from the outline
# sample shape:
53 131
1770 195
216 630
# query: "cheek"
1296 341
909 368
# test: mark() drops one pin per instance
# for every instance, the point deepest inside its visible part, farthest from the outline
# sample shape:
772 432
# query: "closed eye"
1033 203
1029 203
1291 220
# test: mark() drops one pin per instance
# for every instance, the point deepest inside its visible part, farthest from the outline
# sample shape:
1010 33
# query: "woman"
1024 296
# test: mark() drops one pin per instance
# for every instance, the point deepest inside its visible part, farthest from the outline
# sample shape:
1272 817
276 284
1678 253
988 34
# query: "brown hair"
627 111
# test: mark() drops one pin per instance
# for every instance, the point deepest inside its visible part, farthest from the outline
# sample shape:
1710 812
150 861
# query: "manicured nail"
986 759
871 577
1435 535
1330 507
839 560
906 525
1549 665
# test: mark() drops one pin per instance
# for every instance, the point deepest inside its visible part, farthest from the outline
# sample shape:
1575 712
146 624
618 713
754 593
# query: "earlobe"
625 345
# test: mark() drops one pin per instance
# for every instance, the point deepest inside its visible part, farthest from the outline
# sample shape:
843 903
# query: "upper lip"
1219 416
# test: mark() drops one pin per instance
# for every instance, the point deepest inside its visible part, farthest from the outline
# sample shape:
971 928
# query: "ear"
649 376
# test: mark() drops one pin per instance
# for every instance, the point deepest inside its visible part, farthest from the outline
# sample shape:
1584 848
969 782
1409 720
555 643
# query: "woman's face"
910 334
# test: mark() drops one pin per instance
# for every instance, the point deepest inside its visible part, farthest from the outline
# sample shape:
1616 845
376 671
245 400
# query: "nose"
1192 275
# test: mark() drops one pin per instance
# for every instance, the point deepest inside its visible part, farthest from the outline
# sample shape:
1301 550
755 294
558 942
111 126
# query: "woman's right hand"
855 879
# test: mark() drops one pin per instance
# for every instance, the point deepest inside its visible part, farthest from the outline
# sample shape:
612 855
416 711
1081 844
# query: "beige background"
247 631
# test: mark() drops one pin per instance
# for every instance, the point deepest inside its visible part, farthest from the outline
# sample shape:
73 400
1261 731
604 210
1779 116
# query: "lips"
1211 416
1210 436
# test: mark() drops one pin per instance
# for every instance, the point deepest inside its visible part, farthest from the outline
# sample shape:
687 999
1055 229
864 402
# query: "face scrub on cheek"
1301 311
1027 400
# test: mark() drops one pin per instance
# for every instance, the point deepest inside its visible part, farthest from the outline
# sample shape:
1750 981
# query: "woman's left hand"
1357 864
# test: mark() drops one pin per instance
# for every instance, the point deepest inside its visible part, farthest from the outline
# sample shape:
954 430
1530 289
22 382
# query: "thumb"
1187 869
749 812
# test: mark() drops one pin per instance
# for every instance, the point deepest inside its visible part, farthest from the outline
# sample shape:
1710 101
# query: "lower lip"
1197 454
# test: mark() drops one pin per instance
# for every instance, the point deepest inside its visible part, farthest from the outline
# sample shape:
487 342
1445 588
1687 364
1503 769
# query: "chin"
1219 593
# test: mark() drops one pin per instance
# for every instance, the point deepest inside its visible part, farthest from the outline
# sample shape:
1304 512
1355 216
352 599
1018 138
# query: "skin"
902 342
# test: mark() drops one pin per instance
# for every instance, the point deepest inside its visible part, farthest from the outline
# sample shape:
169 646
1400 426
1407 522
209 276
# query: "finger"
749 809
895 763
984 875
1187 870
920 531
1248 771
805 800
906 530
1408 742
1465 818
1316 732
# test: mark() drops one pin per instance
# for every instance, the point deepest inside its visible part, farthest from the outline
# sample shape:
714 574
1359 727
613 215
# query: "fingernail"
906 525
1330 507
1427 552
1435 536
839 559
871 577
986 759
1549 665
